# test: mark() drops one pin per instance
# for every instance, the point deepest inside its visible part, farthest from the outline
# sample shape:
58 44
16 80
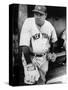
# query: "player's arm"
52 56
26 52
53 39
31 73
25 40
53 46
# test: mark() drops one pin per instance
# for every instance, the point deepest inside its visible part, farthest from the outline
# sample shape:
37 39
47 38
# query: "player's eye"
38 14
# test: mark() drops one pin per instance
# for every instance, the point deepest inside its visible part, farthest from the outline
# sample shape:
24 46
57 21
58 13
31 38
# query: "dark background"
52 11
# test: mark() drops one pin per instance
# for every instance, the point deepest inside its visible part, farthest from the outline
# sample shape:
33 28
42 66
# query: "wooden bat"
61 54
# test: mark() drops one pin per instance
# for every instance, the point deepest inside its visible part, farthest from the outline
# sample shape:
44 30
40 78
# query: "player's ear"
45 15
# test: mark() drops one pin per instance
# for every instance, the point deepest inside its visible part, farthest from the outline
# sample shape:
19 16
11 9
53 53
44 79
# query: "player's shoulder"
48 23
29 20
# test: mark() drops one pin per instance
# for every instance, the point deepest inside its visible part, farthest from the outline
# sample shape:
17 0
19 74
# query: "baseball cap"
40 9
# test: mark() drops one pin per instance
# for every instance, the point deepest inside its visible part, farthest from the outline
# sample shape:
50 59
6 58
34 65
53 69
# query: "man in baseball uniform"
64 37
35 38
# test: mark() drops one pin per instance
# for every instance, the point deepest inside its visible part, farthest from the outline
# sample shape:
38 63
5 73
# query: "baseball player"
35 38
64 37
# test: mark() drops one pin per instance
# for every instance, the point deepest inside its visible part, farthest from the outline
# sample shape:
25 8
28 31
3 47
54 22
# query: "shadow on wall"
59 24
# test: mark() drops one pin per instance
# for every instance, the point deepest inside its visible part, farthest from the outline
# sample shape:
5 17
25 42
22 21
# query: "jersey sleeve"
53 35
25 34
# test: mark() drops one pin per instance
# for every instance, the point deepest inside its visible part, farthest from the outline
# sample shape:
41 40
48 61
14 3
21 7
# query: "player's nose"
39 17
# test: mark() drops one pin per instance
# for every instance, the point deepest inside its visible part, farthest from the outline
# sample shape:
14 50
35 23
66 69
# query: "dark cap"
40 9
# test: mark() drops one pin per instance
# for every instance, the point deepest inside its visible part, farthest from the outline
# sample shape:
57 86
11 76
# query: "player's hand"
51 56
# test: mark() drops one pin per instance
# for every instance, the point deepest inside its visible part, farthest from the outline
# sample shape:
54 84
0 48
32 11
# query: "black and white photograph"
37 44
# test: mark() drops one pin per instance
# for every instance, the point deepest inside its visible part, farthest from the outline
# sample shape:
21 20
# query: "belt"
40 55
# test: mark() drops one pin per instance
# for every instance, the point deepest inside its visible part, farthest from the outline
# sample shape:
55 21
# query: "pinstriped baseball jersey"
39 37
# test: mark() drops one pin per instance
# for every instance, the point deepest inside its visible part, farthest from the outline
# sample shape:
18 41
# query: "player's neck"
39 23
39 26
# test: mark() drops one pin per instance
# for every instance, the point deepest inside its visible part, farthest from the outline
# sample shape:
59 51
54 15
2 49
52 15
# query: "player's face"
40 18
